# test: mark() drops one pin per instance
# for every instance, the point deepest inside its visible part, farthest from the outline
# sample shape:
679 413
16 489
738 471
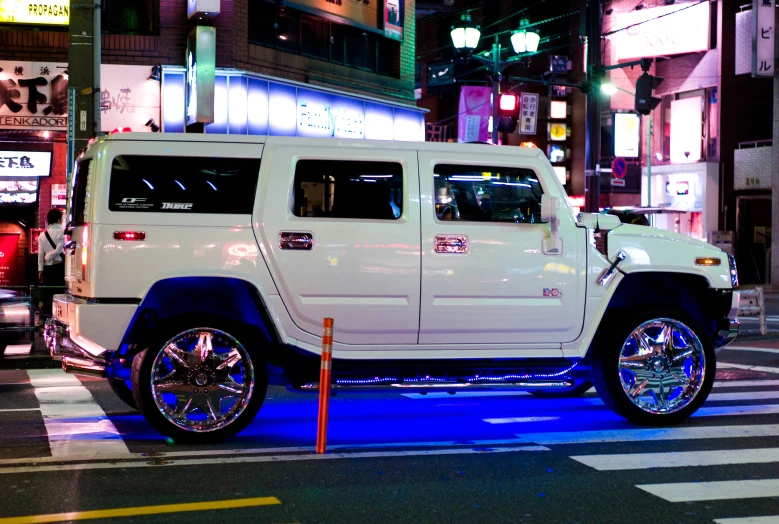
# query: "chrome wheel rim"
202 380
662 366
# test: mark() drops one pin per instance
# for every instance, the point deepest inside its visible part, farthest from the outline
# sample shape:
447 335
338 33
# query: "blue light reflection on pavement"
289 419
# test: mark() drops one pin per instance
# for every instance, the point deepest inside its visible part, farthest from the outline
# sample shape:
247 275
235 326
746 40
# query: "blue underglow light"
212 185
180 185
375 380
148 184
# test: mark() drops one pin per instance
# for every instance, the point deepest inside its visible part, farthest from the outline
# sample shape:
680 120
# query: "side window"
78 199
168 184
487 194
348 189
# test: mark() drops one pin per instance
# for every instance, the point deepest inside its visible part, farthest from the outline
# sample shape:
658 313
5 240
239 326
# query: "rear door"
341 228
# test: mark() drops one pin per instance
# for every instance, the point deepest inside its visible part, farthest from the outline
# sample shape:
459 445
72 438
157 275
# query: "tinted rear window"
79 196
167 184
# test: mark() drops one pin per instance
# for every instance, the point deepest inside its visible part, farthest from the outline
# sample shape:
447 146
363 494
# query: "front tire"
653 368
199 384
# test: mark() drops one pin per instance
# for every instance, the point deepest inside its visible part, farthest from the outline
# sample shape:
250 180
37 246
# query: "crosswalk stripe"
720 490
725 365
745 395
714 411
519 420
726 411
75 423
678 459
772 519
745 383
18 349
752 348
649 434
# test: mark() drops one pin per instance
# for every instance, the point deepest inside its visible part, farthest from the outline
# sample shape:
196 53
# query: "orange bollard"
324 384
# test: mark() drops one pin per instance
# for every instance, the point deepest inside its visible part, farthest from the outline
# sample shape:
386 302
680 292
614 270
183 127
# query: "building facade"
700 164
353 54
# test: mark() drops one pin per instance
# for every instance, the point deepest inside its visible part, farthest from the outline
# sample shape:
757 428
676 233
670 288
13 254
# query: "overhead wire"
609 33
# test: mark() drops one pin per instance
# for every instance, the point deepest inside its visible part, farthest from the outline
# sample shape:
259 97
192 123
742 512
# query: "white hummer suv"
200 269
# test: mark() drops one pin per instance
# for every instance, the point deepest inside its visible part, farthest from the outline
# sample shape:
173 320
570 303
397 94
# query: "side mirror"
549 206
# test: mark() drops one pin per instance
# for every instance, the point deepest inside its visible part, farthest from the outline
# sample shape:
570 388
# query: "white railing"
752 304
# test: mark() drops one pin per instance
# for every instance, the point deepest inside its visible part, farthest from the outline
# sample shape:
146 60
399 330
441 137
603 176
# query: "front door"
343 237
488 277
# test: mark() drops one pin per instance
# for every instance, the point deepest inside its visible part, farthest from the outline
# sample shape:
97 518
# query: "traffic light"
508 112
645 84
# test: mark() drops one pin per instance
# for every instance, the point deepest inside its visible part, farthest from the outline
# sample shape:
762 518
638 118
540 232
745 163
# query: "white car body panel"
495 292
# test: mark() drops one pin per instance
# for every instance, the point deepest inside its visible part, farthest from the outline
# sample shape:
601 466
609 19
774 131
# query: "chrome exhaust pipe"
83 366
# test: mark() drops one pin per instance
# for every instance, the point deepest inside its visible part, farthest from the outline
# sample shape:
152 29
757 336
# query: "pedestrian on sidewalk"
51 262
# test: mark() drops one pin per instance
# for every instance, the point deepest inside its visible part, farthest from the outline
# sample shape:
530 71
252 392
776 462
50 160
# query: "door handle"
300 241
457 244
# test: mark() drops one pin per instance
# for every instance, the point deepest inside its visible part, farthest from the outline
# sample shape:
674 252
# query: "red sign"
9 244
619 167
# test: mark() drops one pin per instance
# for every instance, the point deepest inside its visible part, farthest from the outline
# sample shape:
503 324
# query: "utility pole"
84 52
592 135
496 78
649 134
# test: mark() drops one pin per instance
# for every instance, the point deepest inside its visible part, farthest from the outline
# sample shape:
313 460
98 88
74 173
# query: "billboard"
663 31
393 19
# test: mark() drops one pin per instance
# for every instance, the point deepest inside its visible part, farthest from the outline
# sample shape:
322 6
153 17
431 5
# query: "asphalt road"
68 445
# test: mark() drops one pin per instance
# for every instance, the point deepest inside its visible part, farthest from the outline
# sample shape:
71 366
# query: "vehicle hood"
626 231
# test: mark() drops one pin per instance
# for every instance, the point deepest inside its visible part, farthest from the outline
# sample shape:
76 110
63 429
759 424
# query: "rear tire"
197 383
653 383
123 390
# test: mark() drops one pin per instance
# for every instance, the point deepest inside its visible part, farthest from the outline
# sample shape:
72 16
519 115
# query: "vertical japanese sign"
763 38
474 114
528 114
9 243
393 19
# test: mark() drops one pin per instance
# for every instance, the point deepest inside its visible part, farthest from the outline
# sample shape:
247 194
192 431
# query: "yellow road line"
143 510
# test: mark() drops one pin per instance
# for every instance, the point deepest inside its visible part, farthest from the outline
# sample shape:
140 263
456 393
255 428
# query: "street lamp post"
465 37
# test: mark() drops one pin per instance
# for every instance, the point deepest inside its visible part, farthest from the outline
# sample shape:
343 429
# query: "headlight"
733 270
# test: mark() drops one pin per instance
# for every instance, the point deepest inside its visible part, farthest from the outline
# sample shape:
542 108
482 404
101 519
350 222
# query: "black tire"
123 391
142 390
577 391
606 375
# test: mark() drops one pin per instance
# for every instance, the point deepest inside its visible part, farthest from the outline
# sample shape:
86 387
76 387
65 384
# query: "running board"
451 386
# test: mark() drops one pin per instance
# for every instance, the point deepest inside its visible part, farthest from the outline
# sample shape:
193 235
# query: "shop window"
262 23
130 17
169 184
348 189
487 194
314 37
338 35
289 30
360 50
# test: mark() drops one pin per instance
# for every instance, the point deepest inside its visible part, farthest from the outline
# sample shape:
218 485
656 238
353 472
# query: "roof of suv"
334 142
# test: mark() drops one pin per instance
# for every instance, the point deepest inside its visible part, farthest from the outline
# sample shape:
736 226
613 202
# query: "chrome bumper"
75 359
726 336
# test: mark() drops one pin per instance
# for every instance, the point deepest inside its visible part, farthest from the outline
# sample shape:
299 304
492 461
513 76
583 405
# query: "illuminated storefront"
250 104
